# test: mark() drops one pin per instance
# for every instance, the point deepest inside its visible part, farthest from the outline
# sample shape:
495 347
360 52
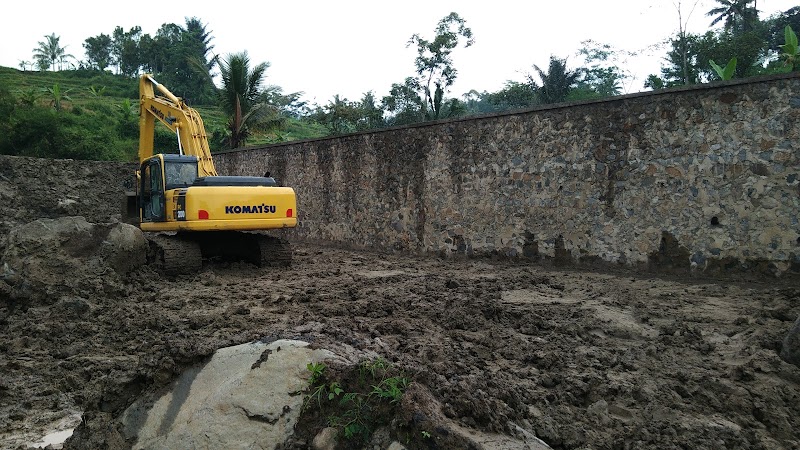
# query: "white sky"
349 47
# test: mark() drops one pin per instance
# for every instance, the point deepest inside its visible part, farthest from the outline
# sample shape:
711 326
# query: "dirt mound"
35 188
49 259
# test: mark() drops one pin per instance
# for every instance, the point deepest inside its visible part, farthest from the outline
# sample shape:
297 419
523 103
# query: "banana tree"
791 52
58 96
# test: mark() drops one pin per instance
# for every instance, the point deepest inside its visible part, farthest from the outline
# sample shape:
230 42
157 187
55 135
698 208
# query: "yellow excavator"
187 210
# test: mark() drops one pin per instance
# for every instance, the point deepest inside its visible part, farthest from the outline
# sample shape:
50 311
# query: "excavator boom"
184 121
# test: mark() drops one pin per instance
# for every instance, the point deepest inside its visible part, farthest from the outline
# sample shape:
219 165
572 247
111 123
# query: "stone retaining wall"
705 178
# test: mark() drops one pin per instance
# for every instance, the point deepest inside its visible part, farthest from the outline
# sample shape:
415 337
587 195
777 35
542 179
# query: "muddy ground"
583 360
602 360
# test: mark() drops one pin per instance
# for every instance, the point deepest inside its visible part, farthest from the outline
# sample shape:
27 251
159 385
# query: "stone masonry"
705 178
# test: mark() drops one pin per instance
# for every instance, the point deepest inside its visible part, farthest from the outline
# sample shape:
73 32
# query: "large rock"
790 351
247 396
49 258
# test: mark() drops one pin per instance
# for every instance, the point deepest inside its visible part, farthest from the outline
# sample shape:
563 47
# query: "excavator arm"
177 116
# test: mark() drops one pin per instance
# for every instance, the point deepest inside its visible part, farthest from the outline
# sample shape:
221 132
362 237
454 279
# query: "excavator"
189 212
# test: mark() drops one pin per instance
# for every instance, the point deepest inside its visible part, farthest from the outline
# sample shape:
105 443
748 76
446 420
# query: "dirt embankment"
578 359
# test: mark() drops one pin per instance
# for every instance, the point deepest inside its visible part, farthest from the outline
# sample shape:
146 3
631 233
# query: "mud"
602 360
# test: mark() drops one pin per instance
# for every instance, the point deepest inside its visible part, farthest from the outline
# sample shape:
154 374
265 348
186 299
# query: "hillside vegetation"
91 114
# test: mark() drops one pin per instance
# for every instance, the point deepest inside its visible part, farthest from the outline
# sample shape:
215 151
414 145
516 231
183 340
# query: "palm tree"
49 51
556 83
240 93
736 15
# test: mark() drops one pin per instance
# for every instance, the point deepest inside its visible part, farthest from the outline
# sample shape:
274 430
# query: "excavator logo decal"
247 209
169 119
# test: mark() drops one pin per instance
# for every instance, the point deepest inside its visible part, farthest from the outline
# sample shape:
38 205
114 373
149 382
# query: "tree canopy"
737 44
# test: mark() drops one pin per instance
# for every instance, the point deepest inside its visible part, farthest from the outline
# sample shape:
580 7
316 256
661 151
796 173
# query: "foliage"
96 91
43 132
356 407
404 103
57 96
725 73
435 70
686 60
239 97
600 75
556 82
184 60
30 96
49 52
341 116
790 51
98 51
775 26
737 15
125 49
514 95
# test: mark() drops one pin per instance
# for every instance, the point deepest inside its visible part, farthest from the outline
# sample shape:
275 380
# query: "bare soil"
601 360
592 360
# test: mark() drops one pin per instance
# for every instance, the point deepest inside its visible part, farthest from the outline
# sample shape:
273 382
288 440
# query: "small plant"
95 91
391 388
29 96
334 390
371 367
727 72
317 370
362 403
426 435
317 387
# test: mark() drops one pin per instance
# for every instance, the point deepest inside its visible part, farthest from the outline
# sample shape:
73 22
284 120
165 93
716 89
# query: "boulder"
49 258
247 396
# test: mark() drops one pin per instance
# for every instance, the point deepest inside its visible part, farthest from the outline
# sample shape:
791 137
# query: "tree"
404 103
98 51
514 95
49 52
195 62
681 64
434 64
125 50
556 82
290 105
341 116
600 76
239 94
736 15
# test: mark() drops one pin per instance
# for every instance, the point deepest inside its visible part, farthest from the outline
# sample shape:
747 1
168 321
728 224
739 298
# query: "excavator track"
174 255
178 254
275 252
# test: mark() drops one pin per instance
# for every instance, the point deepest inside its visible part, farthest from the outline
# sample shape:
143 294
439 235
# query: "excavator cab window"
180 174
153 205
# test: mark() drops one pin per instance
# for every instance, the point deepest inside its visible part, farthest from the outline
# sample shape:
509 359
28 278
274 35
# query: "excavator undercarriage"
184 252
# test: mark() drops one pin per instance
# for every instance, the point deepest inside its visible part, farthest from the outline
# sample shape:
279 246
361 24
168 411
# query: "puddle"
64 429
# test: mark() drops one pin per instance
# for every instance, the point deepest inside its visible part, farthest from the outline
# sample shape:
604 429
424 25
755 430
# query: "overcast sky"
349 47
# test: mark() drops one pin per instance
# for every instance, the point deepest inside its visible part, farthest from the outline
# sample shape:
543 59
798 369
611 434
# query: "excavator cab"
158 175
